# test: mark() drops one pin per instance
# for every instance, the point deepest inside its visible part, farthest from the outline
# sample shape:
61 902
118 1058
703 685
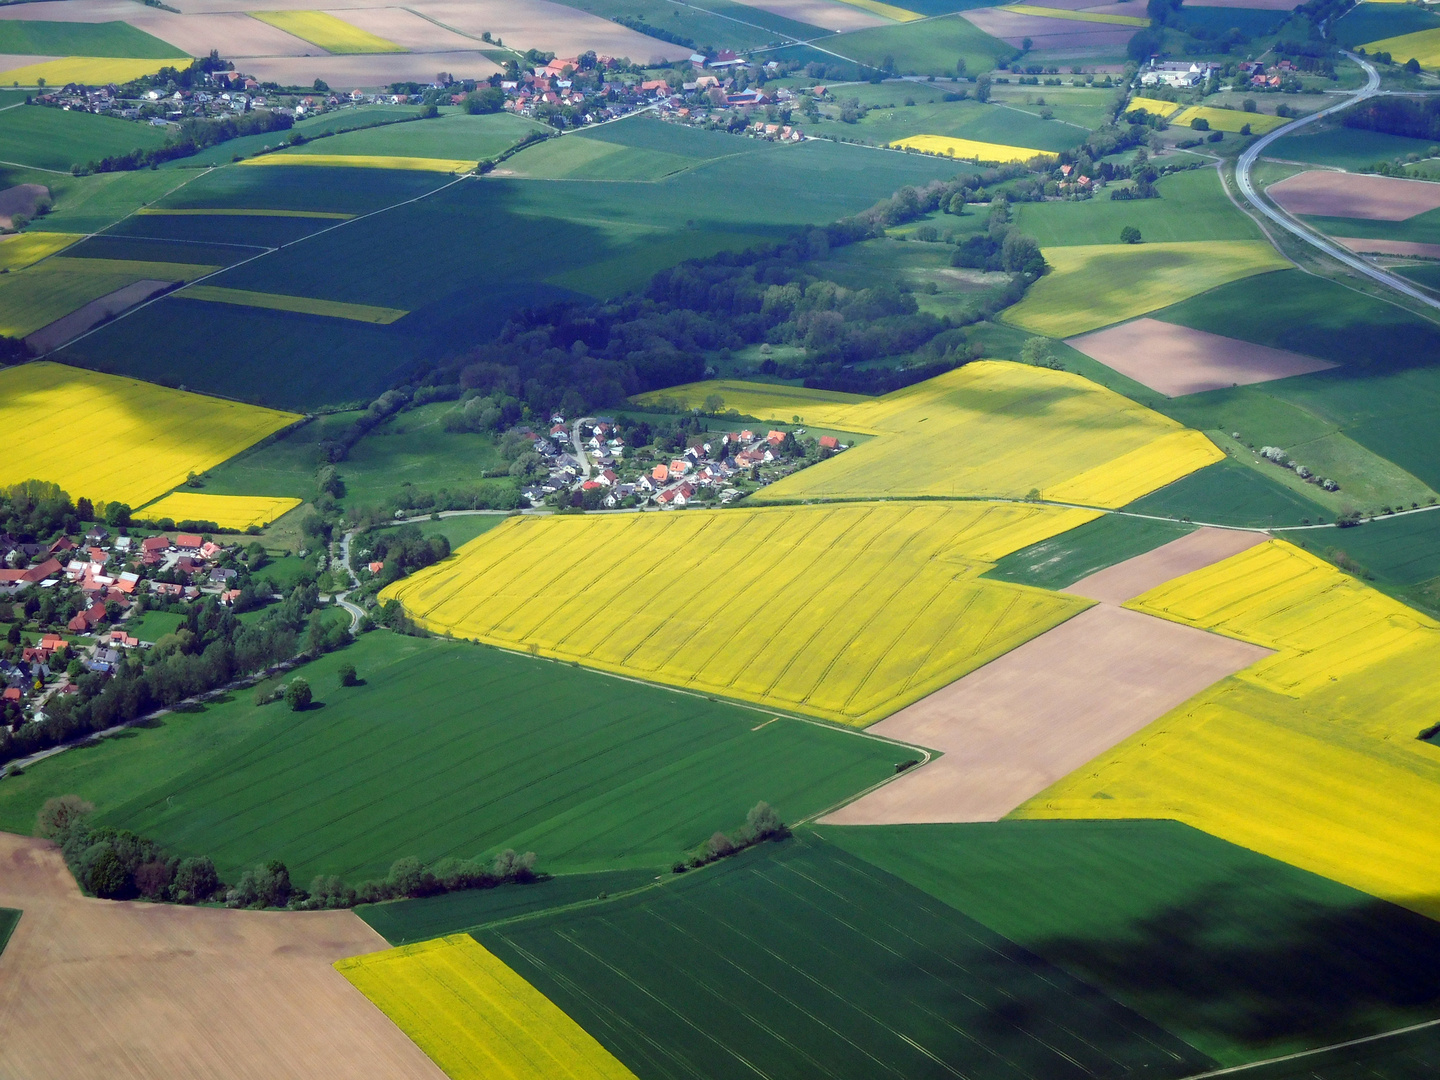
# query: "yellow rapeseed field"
1077 16
844 612
227 511
1423 45
1095 285
108 438
990 428
1153 106
304 305
475 1017
1231 120
25 249
89 70
1309 756
889 11
969 149
366 161
331 33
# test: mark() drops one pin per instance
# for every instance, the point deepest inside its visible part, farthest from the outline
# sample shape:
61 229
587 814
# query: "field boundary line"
34 168
1311 1053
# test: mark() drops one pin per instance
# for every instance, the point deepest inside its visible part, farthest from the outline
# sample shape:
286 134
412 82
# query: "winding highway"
1290 225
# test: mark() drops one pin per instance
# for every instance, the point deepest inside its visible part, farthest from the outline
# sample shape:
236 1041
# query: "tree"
320 86
195 880
491 99
1200 124
297 695
13 634
117 515
1248 104
1244 129
1020 254
1130 235
61 814
1026 44
347 675
960 67
1412 66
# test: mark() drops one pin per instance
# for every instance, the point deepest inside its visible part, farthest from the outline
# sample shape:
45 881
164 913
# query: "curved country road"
1290 225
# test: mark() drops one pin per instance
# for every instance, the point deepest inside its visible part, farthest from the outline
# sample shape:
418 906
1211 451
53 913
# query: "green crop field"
452 135
116 39
1408 1055
890 120
1249 21
1401 550
1242 956
349 119
1192 206
421 257
930 47
579 158
1065 559
799 960
9 919
1229 493
1087 107
1422 228
457 750
139 249
1345 148
47 138
404 921
713 23
1365 23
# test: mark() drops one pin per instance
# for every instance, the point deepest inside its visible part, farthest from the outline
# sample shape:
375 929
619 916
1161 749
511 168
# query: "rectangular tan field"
1176 360
539 24
234 34
1011 729
1389 247
823 13
370 69
131 991
407 29
1048 35
1193 551
1374 198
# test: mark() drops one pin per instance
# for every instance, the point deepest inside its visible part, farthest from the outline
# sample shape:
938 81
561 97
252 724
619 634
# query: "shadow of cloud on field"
1283 974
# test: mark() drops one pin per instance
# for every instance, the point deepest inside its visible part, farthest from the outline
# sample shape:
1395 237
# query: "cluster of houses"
1180 75
1269 78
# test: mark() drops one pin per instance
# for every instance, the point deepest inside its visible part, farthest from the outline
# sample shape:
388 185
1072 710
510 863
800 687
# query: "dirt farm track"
124 991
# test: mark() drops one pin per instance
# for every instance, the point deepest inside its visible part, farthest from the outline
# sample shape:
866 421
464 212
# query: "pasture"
453 135
1350 798
167 433
475 1017
112 39
46 138
988 406
1240 955
227 511
675 981
1092 286
852 612
450 749
330 32
922 48
890 121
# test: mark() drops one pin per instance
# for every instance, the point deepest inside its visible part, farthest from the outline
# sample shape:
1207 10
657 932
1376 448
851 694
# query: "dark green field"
709 23
1365 23
459 750
1421 229
1346 148
9 919
37 38
1228 493
154 250
1242 956
1413 1055
1065 559
46 138
421 257
1401 550
1251 22
403 921
798 960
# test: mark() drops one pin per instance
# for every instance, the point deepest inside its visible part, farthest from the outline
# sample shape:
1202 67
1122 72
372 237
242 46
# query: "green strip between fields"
300 305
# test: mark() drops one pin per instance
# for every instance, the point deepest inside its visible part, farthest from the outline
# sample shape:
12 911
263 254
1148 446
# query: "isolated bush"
1130 235
297 695
59 815
347 675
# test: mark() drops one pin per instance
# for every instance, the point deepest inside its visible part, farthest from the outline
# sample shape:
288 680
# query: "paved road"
355 613
577 449
1290 225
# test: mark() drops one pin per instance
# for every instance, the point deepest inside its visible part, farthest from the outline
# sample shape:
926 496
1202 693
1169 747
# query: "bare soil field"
1191 552
406 29
823 13
1336 194
237 36
1389 247
1116 8
368 70
93 314
1175 360
20 199
539 24
1258 5
131 991
1049 35
1024 721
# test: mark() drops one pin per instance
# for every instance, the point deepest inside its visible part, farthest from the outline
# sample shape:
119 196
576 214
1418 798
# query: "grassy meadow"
113 39
930 47
449 749
45 138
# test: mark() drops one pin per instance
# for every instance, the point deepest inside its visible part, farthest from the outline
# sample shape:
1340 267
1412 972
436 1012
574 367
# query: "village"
80 594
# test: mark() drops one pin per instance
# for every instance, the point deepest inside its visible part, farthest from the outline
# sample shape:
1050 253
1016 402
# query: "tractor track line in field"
1233 1069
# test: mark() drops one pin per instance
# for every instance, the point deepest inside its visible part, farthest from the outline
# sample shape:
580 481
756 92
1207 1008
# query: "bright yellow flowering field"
990 428
1423 45
87 70
889 11
22 249
1076 16
844 612
475 1017
969 149
227 511
1309 756
112 439
1153 106
331 33
1231 120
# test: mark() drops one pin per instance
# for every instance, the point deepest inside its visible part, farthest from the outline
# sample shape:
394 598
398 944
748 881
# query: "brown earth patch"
407 29
234 34
20 199
1389 247
1176 360
1193 551
93 314
540 24
1258 5
1048 35
822 13
369 69
1011 729
130 991
1336 194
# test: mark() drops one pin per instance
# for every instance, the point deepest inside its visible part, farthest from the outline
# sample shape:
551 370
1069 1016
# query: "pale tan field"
1049 35
100 990
233 33
1024 721
1335 194
1389 247
405 28
371 69
823 13
555 28
1193 551
1175 360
